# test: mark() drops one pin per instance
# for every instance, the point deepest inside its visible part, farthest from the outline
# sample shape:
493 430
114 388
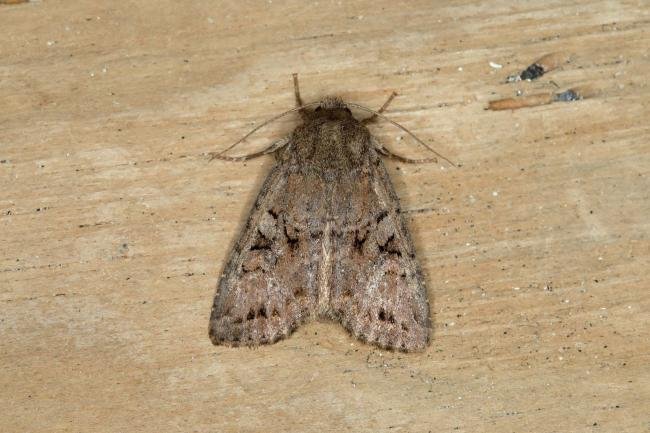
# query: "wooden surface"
115 227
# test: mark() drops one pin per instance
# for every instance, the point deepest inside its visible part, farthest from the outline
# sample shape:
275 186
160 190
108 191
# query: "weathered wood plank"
115 227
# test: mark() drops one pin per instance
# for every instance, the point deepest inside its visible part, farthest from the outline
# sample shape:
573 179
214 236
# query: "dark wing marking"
377 290
265 291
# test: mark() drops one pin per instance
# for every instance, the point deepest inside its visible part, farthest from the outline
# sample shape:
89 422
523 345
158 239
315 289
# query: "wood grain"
115 226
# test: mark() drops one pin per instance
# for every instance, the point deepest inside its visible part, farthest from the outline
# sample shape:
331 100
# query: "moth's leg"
373 118
383 151
389 153
296 91
404 159
299 103
276 145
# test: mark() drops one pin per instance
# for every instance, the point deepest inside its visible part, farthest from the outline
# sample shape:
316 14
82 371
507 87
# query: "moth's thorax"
331 139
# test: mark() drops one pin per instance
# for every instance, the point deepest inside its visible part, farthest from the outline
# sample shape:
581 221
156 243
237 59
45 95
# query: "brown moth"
325 239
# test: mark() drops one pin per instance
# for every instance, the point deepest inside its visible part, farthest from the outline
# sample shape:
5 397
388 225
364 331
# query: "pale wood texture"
115 227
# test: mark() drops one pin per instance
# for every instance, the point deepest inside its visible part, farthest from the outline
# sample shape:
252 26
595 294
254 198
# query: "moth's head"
332 108
331 102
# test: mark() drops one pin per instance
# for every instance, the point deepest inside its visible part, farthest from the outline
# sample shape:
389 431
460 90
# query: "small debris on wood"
540 67
567 96
536 100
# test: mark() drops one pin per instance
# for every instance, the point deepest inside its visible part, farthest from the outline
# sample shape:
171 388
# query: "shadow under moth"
325 239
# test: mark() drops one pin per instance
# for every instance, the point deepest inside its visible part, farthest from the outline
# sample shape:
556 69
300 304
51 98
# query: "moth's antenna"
426 146
269 149
217 155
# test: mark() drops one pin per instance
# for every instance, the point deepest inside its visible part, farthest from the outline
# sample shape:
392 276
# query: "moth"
325 239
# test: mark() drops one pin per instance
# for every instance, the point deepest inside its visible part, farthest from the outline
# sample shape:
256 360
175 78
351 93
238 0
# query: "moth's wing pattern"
378 292
264 292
